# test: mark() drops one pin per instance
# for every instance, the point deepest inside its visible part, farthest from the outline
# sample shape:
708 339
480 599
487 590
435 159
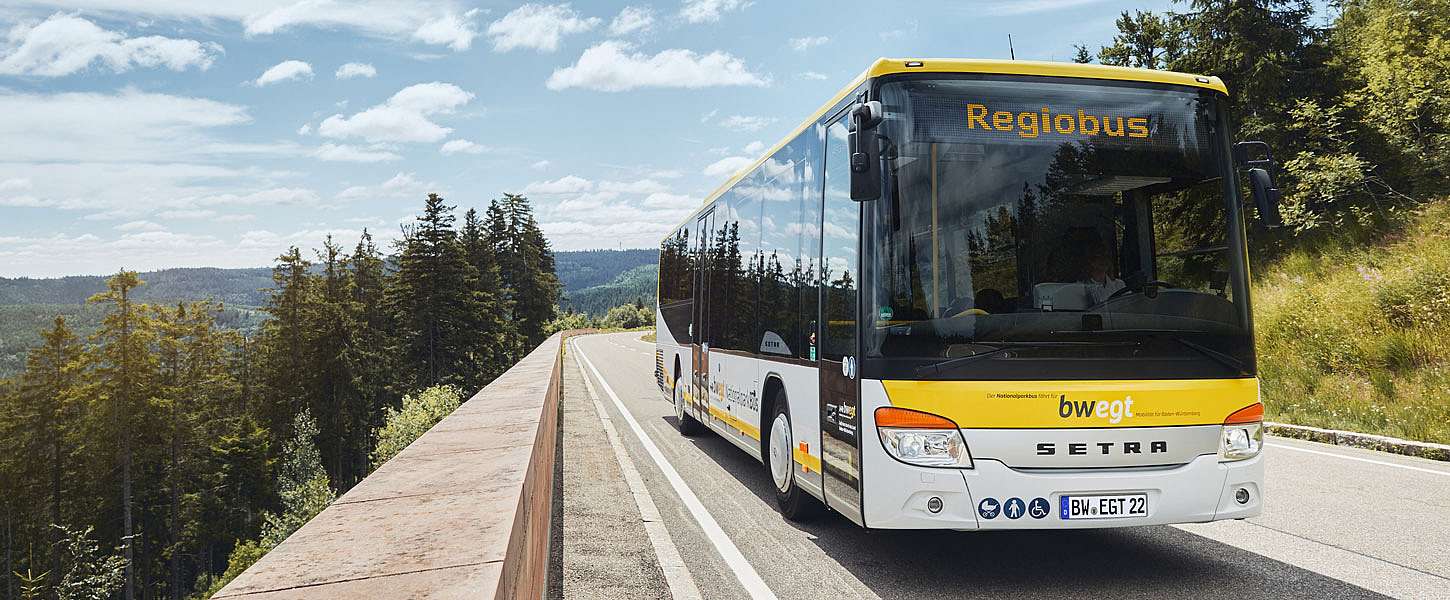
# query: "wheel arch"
772 386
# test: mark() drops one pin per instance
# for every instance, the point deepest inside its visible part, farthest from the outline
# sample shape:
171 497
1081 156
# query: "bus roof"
893 66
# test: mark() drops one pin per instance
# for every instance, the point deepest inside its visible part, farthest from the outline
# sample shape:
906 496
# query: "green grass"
1359 338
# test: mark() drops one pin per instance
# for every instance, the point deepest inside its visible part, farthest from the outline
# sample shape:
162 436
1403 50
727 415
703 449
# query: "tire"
795 503
686 424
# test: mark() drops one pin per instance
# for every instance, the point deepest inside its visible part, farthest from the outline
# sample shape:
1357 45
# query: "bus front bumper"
900 496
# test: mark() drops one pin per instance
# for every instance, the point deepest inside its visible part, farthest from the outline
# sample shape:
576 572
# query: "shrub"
419 413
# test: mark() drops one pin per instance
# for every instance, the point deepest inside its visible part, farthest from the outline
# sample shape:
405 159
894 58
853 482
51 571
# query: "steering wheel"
1155 283
962 306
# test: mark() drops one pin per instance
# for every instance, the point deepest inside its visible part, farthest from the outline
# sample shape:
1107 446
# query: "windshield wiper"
1177 336
999 346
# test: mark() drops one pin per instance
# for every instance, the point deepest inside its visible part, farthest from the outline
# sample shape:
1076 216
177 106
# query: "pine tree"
286 372
493 335
331 348
431 301
123 375
50 425
373 356
526 266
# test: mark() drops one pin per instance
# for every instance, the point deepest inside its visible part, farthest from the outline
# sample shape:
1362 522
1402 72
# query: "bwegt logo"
1030 124
1112 410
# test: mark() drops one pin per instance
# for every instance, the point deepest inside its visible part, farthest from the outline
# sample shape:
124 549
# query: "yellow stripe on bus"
733 421
806 461
1076 404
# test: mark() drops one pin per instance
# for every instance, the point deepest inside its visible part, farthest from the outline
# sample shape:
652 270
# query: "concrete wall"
463 512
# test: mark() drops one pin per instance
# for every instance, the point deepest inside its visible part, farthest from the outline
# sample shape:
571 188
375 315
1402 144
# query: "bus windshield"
1053 229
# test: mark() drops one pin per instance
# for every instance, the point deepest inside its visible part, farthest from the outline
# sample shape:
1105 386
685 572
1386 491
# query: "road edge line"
744 572
677 573
1359 459
1367 441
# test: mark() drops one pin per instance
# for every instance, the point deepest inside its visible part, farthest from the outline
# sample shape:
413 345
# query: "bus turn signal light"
1253 413
889 416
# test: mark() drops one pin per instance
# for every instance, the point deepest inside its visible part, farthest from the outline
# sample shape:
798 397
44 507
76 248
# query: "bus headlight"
1243 434
919 438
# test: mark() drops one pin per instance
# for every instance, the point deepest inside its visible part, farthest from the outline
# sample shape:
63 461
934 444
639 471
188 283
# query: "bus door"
840 390
700 320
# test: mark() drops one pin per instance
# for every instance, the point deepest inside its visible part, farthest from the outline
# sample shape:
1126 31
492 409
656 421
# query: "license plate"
1116 506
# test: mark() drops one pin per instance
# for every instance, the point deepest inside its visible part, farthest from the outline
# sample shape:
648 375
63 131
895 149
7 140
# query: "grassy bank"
1359 338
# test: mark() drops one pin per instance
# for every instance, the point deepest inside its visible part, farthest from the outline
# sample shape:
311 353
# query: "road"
1338 522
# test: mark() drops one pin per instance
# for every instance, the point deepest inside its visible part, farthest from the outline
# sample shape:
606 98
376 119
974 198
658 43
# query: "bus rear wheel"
686 424
795 503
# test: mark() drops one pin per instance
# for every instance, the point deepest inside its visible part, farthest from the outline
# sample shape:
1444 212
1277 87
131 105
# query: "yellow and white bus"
975 294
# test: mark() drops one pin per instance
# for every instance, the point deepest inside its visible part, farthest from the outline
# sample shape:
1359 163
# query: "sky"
146 134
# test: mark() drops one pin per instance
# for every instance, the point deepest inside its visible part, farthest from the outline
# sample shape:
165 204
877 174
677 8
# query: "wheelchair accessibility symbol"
1038 508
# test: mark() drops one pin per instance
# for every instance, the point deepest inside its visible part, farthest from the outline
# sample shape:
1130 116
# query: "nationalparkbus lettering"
1031 124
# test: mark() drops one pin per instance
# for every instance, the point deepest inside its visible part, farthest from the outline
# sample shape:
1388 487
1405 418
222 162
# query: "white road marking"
1365 460
741 567
677 574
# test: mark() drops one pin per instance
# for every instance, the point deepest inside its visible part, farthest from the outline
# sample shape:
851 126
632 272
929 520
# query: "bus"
978 294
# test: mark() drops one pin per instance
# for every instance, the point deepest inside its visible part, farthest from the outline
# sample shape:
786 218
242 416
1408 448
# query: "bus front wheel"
795 503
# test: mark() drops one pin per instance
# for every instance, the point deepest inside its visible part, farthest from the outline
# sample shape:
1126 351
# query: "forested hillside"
634 285
165 452
581 269
240 287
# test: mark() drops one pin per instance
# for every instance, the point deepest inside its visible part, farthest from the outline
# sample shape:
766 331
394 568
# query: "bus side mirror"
1266 197
865 151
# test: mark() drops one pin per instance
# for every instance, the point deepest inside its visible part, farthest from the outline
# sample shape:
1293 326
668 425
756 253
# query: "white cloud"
452 30
540 166
347 153
139 226
642 186
727 166
129 125
406 117
286 70
708 11
461 147
17 184
754 147
610 66
813 76
65 44
806 43
745 123
305 129
537 27
353 69
632 19
403 186
436 22
568 184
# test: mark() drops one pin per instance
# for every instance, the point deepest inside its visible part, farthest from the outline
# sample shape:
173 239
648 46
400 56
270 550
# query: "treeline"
139 459
1357 111
637 283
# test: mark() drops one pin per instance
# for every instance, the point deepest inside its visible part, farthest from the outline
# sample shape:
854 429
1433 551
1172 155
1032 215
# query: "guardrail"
464 511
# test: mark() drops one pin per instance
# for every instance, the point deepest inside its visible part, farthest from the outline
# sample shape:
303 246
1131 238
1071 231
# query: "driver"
1097 275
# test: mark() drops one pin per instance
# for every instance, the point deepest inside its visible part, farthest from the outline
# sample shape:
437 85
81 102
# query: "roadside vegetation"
1358 337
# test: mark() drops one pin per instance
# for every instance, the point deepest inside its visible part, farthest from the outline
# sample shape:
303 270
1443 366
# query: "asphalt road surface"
669 516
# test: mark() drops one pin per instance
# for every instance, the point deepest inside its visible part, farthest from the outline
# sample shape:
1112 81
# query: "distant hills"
593 280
